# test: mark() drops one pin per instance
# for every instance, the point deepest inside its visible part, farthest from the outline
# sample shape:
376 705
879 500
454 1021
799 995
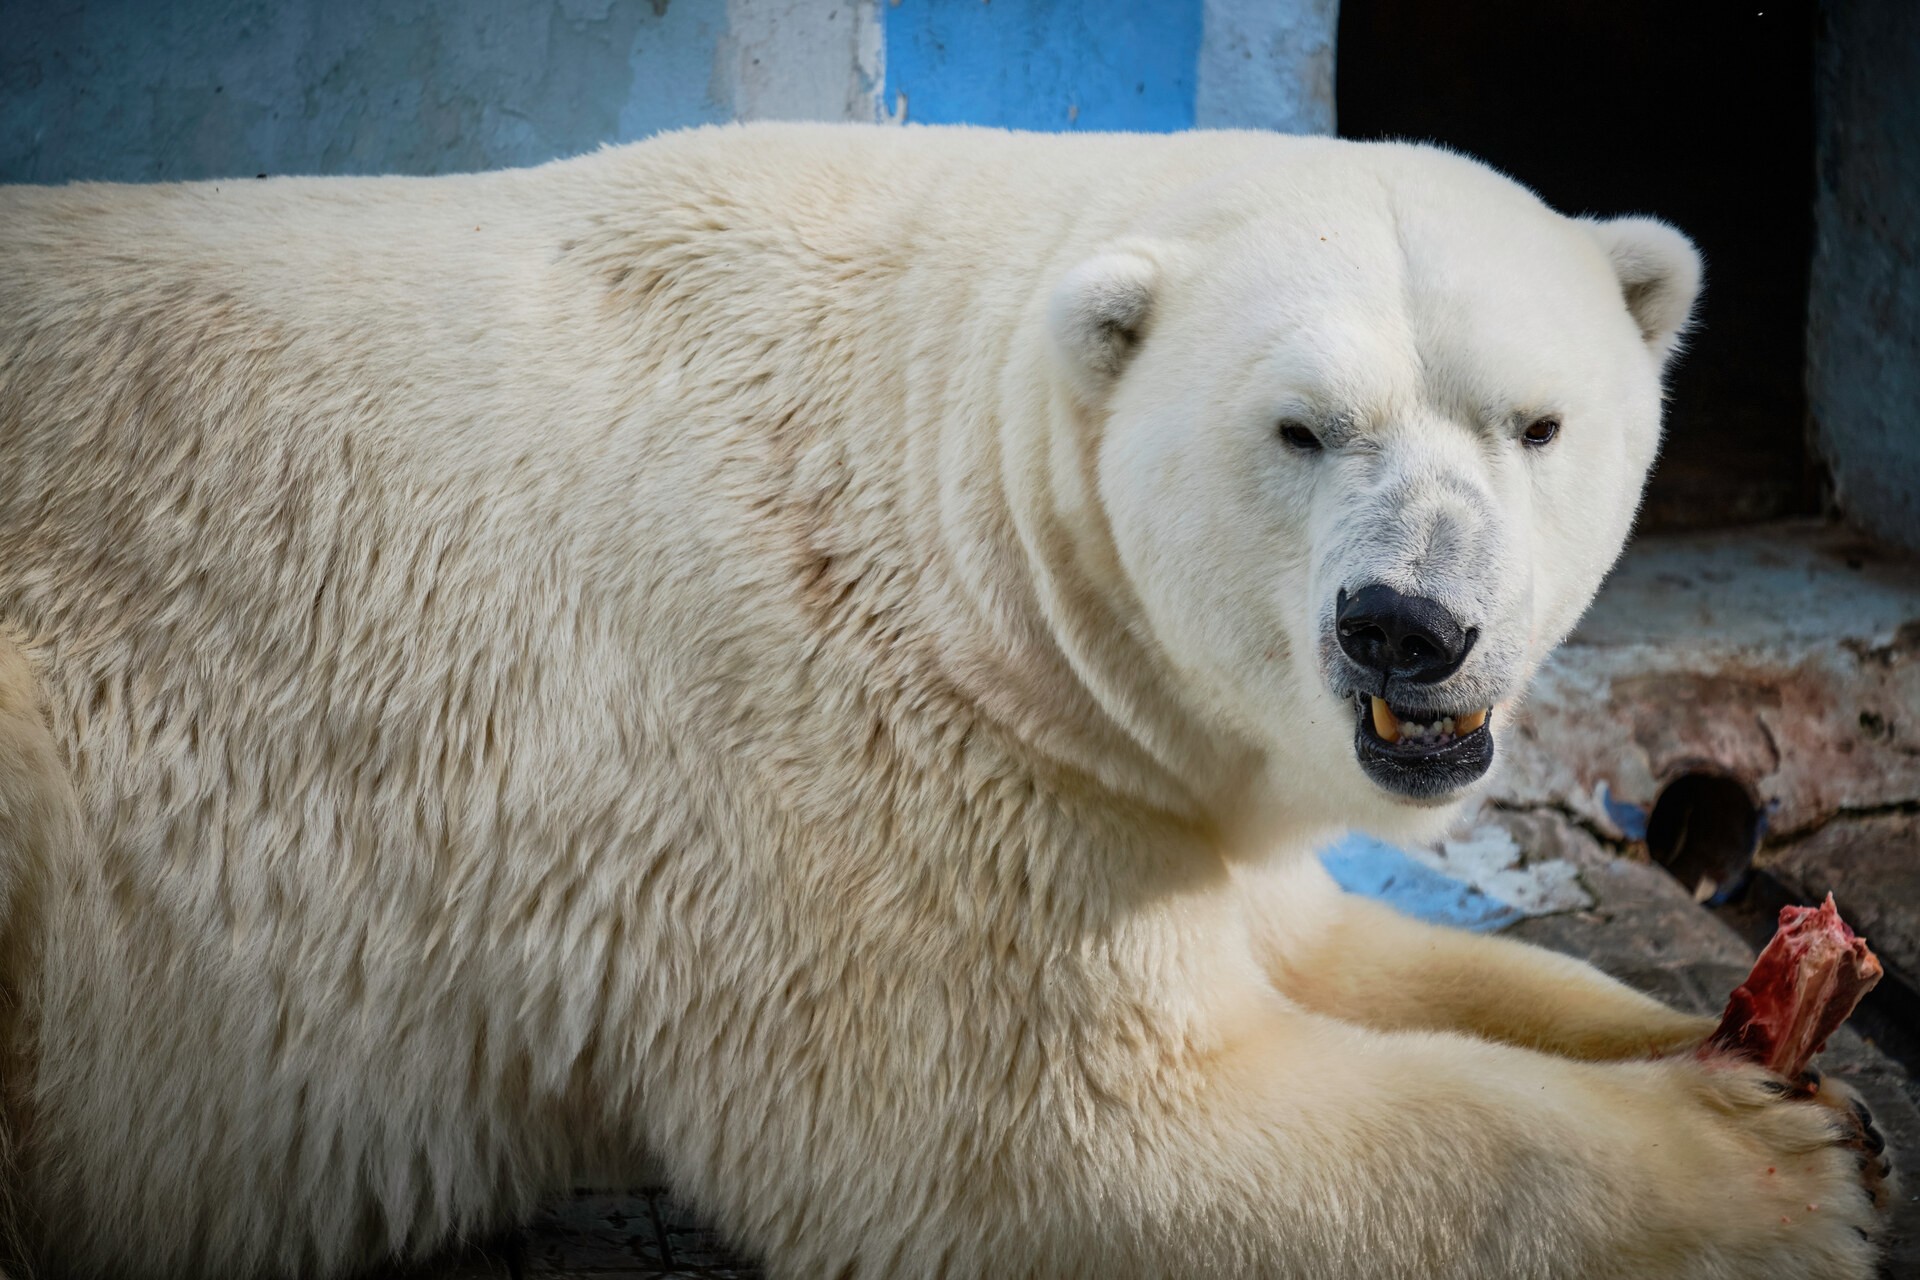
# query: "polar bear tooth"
1384 722
1468 723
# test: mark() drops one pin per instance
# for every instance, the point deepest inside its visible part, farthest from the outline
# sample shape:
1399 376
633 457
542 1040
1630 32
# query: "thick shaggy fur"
797 650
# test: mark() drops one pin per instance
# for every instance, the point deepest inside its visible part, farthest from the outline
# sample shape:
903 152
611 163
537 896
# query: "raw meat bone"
1803 986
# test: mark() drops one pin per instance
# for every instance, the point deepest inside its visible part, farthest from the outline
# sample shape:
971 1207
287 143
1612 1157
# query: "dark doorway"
1698 113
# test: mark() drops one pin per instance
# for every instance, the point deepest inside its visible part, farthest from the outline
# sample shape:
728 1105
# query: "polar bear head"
1371 431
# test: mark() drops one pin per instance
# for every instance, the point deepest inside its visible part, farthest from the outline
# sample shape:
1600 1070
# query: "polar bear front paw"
1811 1178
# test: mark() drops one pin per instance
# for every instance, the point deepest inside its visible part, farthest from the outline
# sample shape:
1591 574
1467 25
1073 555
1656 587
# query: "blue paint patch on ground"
1360 864
1044 64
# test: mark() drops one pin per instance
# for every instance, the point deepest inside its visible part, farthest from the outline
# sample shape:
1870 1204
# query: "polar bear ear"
1098 315
1659 274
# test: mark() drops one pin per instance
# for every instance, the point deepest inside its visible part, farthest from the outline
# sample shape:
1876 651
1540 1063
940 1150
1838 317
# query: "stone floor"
607 1235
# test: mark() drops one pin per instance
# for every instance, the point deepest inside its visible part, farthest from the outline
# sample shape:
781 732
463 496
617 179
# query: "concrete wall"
140 90
1267 65
1863 339
148 90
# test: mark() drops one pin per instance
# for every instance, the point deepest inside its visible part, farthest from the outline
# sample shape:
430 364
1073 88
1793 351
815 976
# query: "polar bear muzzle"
1408 642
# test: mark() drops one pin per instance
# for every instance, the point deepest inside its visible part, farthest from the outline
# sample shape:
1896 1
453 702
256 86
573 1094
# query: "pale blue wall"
138 90
1267 65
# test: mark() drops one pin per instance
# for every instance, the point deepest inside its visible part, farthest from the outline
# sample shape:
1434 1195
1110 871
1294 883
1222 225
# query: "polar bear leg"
1324 1149
1357 960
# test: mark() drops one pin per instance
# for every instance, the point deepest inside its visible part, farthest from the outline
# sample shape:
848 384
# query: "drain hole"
1703 829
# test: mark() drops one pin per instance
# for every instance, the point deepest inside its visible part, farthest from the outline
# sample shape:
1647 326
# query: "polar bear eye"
1299 437
1541 431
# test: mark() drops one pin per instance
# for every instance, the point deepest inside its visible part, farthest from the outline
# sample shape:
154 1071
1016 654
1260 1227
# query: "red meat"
1801 989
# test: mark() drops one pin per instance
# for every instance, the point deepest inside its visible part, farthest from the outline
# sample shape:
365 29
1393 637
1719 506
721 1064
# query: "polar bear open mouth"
1421 753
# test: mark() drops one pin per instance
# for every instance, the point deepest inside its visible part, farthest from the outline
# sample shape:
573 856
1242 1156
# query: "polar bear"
821 654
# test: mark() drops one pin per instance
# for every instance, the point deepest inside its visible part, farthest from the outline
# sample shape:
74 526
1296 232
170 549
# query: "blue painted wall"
1044 64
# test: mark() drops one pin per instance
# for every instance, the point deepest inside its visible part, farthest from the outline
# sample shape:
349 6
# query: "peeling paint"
1487 856
1360 864
1477 877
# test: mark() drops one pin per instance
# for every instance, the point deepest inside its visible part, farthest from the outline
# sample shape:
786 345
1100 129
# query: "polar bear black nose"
1401 637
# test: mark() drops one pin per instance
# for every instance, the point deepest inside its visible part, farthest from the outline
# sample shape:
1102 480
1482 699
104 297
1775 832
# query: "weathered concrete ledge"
1770 673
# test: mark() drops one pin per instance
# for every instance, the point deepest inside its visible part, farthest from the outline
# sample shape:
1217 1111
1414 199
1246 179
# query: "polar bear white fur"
801 651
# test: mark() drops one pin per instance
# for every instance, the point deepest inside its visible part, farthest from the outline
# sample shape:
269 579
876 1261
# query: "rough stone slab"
1786 656
1645 930
1642 927
1871 865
